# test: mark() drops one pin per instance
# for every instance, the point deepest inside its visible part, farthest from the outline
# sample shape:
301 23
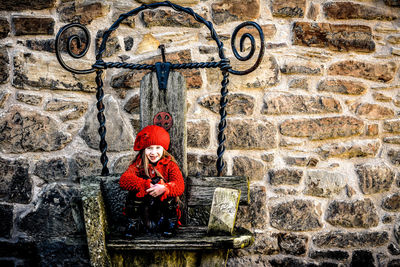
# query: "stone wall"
315 127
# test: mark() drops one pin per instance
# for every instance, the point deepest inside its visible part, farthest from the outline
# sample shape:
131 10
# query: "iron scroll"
165 67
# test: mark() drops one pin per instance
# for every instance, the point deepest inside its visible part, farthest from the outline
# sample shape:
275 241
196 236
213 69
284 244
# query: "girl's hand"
156 190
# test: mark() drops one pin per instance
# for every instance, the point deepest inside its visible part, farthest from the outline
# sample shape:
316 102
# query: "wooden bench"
103 201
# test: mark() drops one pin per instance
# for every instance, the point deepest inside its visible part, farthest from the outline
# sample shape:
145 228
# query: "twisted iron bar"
222 112
132 66
223 64
102 121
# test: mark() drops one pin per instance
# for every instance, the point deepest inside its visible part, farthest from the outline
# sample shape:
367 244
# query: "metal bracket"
162 70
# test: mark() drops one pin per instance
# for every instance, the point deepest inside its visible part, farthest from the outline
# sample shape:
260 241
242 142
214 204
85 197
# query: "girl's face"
154 153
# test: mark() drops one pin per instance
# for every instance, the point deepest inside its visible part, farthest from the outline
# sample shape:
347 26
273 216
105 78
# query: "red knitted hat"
151 135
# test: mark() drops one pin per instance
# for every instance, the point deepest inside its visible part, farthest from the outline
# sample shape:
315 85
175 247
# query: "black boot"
170 218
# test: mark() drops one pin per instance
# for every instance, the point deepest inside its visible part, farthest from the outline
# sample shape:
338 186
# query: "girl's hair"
145 161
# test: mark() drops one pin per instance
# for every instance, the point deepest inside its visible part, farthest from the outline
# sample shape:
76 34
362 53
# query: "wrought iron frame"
162 68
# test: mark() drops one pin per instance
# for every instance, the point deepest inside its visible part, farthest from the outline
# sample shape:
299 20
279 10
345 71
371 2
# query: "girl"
154 182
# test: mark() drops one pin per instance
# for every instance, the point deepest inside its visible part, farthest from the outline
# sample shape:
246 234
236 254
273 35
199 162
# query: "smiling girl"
154 182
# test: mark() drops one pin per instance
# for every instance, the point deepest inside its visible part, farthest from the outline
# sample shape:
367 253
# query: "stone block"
313 11
4 95
304 68
57 213
355 214
122 164
82 12
85 164
280 104
392 203
6 219
372 129
29 74
264 243
223 210
328 254
381 97
169 18
4 65
288 9
392 126
28 131
395 3
268 157
266 75
299 83
32 26
335 37
393 39
18 5
203 165
238 104
394 249
198 133
290 261
342 87
70 251
21 250
244 166
131 79
132 106
322 128
341 239
16 184
394 156
301 161
253 216
321 183
48 45
292 244
362 258
377 72
122 8
350 149
349 10
29 99
52 170
372 111
74 109
120 137
250 134
295 215
396 231
228 11
285 176
4 27
148 44
374 178
128 43
112 45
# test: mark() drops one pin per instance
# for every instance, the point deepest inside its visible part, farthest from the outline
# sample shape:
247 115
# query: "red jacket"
132 179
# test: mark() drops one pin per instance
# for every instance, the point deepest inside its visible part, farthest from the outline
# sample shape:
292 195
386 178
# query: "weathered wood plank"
187 238
173 101
201 189
223 210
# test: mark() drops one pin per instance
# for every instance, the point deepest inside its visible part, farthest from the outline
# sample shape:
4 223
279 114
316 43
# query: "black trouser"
149 214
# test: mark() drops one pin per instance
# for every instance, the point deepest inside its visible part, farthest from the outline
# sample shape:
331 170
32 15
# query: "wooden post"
173 101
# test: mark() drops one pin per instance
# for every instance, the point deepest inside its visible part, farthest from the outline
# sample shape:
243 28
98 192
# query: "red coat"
132 179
